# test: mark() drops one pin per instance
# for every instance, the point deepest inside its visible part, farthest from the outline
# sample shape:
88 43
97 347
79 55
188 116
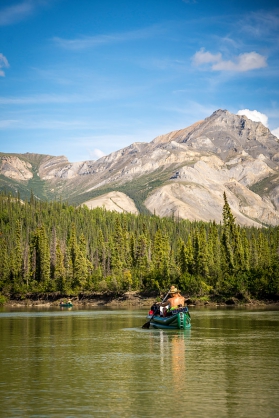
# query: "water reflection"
102 363
173 346
178 355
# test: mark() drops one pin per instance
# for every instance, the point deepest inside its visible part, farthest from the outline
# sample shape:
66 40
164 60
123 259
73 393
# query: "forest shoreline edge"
126 300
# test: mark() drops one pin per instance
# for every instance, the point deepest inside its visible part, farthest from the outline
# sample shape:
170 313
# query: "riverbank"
131 299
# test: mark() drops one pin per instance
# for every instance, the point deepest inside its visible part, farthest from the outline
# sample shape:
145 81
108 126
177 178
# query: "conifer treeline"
52 246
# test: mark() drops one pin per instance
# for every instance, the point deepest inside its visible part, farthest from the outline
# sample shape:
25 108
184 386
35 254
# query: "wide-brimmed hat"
173 289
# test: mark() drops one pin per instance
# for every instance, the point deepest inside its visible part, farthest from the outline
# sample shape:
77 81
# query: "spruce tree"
59 270
18 255
228 237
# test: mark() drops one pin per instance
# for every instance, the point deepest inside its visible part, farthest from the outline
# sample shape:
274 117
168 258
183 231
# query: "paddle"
147 324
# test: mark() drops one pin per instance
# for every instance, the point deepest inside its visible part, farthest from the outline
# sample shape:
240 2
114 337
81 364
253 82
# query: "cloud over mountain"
257 116
254 115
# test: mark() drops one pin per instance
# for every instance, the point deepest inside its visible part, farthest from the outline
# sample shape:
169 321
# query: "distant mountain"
182 174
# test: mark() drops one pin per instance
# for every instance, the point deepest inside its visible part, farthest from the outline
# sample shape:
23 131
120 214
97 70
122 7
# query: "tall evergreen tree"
228 237
40 258
18 255
59 270
4 264
201 253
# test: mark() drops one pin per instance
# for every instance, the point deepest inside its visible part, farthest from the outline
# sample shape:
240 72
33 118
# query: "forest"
55 247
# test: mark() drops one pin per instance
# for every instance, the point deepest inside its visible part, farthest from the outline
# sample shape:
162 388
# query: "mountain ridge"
183 173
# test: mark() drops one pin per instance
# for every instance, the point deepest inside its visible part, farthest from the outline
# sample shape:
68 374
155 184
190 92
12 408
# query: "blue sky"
85 78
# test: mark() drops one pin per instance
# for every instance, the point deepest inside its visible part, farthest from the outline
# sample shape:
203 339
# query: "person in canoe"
174 301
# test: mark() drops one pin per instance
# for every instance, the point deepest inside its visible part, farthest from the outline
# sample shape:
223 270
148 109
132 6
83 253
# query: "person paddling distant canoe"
175 300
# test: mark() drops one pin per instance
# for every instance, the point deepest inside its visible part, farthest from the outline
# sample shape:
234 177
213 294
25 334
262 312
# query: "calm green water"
101 363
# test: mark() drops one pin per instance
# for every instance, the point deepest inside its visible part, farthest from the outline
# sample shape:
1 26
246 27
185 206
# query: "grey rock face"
227 135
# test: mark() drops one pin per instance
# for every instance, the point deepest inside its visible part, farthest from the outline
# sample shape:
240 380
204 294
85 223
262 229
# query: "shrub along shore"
131 299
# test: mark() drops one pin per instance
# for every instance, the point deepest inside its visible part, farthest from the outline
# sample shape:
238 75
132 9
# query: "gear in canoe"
170 313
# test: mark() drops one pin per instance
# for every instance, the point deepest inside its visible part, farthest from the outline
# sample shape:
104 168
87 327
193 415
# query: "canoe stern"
177 320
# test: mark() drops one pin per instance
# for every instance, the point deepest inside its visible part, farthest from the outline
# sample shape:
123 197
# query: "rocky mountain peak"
227 135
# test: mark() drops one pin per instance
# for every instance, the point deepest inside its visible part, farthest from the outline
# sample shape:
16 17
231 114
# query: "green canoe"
66 304
176 319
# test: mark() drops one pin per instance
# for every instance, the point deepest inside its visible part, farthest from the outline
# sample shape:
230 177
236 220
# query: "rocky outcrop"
15 168
114 201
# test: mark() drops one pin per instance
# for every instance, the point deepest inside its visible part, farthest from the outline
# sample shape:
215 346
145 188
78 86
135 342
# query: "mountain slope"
183 173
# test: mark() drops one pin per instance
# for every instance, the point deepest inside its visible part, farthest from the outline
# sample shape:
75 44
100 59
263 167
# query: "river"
101 363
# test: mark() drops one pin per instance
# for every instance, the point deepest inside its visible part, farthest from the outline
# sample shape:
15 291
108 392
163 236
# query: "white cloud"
96 154
20 11
254 115
6 123
241 63
260 23
16 13
3 64
275 132
203 57
100 93
44 98
84 42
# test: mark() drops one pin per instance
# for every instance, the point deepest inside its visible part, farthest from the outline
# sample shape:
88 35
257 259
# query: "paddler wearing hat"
175 300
